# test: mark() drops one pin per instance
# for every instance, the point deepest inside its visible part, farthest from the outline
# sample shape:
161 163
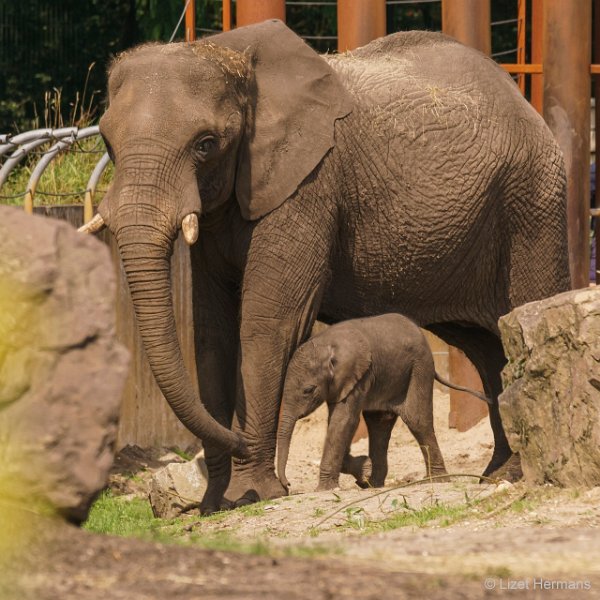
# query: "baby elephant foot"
360 467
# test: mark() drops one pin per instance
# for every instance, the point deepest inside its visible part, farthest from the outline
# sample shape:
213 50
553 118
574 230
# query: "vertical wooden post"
537 53
468 21
359 22
226 15
253 11
596 81
190 21
567 90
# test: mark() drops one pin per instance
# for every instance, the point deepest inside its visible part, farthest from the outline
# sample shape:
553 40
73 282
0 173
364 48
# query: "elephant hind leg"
379 426
417 413
484 349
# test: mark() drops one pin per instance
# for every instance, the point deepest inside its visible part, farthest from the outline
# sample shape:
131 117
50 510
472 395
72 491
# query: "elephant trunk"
145 252
284 439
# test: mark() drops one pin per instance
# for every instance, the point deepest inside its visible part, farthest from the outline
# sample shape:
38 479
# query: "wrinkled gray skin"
408 176
381 366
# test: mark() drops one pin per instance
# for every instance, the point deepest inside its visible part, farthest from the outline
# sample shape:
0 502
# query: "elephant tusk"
190 228
94 226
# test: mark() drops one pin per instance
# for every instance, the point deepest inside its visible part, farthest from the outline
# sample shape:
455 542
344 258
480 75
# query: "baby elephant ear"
350 358
291 114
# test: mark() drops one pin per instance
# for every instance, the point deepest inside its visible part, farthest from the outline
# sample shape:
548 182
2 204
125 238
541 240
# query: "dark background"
48 46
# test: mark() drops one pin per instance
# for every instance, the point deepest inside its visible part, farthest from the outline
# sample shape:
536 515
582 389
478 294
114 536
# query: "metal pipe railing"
59 147
23 149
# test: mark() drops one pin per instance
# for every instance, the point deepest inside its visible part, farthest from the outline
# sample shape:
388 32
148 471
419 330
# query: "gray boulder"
61 370
178 487
551 404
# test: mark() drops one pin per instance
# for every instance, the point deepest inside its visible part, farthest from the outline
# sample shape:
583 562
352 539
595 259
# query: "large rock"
551 404
61 369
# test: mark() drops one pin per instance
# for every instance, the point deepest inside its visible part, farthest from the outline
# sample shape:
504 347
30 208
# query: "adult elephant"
407 176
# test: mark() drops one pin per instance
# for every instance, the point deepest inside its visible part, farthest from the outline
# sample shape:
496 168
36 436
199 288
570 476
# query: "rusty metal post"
190 21
567 90
537 50
253 11
226 15
596 81
521 27
359 22
468 21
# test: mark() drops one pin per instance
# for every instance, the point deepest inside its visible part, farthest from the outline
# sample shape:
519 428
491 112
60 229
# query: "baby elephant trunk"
284 439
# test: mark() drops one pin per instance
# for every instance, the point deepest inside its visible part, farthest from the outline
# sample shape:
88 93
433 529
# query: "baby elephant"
381 366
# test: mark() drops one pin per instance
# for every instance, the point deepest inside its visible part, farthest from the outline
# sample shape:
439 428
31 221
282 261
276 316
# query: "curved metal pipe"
90 188
20 153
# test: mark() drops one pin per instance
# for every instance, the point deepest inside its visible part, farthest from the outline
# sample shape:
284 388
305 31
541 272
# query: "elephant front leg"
286 269
343 421
262 364
216 344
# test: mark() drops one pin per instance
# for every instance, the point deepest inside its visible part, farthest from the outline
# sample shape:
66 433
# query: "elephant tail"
459 388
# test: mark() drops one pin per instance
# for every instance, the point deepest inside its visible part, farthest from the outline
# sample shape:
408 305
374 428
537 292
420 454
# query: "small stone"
503 486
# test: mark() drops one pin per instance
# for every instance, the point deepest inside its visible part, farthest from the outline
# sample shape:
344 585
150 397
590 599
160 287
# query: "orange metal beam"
522 69
537 49
359 22
537 69
226 15
190 21
521 28
252 11
567 90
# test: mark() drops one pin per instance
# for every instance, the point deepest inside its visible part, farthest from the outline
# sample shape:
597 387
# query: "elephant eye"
204 146
309 389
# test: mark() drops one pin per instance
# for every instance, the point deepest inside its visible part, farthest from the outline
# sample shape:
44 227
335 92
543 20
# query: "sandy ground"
504 541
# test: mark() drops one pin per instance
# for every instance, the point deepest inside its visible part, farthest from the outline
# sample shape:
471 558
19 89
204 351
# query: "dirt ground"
484 541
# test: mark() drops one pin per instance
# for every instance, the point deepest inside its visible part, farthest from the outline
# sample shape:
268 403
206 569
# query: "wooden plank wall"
146 419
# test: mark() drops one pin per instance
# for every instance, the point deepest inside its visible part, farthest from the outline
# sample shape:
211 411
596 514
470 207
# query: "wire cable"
179 22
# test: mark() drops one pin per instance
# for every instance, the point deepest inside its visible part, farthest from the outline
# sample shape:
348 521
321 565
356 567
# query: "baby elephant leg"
359 467
417 413
379 425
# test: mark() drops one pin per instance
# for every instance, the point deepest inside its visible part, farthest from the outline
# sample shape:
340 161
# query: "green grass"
114 515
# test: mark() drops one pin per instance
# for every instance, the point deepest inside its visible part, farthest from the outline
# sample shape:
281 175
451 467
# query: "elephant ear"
348 362
291 116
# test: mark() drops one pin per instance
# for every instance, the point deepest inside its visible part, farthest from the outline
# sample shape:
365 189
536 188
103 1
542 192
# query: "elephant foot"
510 470
246 488
328 484
360 467
213 500
439 474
